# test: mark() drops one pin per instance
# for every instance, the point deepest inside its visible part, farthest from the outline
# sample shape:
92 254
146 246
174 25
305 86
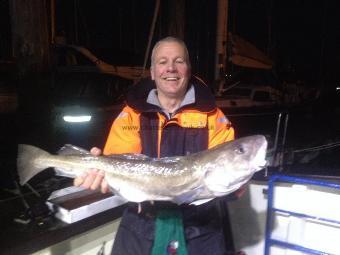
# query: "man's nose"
171 67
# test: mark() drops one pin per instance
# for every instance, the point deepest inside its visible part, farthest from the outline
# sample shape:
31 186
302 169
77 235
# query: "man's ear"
152 74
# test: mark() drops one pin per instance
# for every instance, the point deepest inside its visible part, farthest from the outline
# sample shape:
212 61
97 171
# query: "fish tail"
26 162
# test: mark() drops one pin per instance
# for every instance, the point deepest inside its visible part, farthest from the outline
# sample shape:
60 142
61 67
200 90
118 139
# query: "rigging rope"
153 24
321 147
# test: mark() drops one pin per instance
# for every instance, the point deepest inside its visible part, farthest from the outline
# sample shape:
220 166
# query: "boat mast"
221 43
152 29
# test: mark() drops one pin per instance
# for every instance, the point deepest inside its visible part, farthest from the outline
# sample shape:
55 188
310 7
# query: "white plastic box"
74 203
248 218
318 230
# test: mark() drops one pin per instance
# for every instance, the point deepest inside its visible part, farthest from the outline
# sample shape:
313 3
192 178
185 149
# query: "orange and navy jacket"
144 128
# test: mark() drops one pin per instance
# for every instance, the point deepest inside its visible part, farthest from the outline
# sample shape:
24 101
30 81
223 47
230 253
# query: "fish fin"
201 201
133 195
69 149
62 173
26 165
187 197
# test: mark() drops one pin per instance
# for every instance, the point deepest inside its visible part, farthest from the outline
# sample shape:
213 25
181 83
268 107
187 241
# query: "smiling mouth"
171 78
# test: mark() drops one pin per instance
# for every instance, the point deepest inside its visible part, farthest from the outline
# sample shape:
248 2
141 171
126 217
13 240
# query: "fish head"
232 164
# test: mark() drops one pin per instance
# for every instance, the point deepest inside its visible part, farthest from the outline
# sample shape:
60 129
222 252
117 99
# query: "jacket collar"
203 98
189 97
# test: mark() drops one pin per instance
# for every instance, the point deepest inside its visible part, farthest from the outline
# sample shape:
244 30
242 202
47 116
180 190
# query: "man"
171 115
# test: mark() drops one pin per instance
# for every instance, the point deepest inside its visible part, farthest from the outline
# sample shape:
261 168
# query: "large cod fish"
183 179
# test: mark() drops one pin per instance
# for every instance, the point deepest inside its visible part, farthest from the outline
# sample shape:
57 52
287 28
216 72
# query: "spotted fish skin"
136 177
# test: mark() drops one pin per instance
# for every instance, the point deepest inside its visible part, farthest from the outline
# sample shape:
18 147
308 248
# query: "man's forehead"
164 48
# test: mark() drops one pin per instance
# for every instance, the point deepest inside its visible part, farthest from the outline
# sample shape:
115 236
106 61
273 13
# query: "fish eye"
240 150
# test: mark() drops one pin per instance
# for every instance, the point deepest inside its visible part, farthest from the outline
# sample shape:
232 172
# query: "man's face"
170 70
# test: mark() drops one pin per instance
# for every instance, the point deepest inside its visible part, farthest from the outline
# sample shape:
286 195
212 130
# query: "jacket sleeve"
220 129
124 134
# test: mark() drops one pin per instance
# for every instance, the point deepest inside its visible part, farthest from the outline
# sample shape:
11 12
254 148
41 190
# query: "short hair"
170 39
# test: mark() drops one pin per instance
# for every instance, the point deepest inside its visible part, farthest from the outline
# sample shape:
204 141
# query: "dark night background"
41 78
117 31
300 36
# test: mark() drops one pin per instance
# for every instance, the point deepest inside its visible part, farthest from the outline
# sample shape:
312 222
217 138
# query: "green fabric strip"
169 234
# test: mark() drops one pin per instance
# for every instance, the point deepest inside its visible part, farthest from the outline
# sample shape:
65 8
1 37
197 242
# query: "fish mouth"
259 161
261 166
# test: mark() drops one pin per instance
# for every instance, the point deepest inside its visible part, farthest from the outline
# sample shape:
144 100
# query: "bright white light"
83 118
337 88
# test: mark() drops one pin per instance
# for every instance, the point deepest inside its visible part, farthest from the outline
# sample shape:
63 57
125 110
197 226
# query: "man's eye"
180 61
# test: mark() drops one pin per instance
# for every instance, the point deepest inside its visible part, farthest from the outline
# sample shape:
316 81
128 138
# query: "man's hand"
94 177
